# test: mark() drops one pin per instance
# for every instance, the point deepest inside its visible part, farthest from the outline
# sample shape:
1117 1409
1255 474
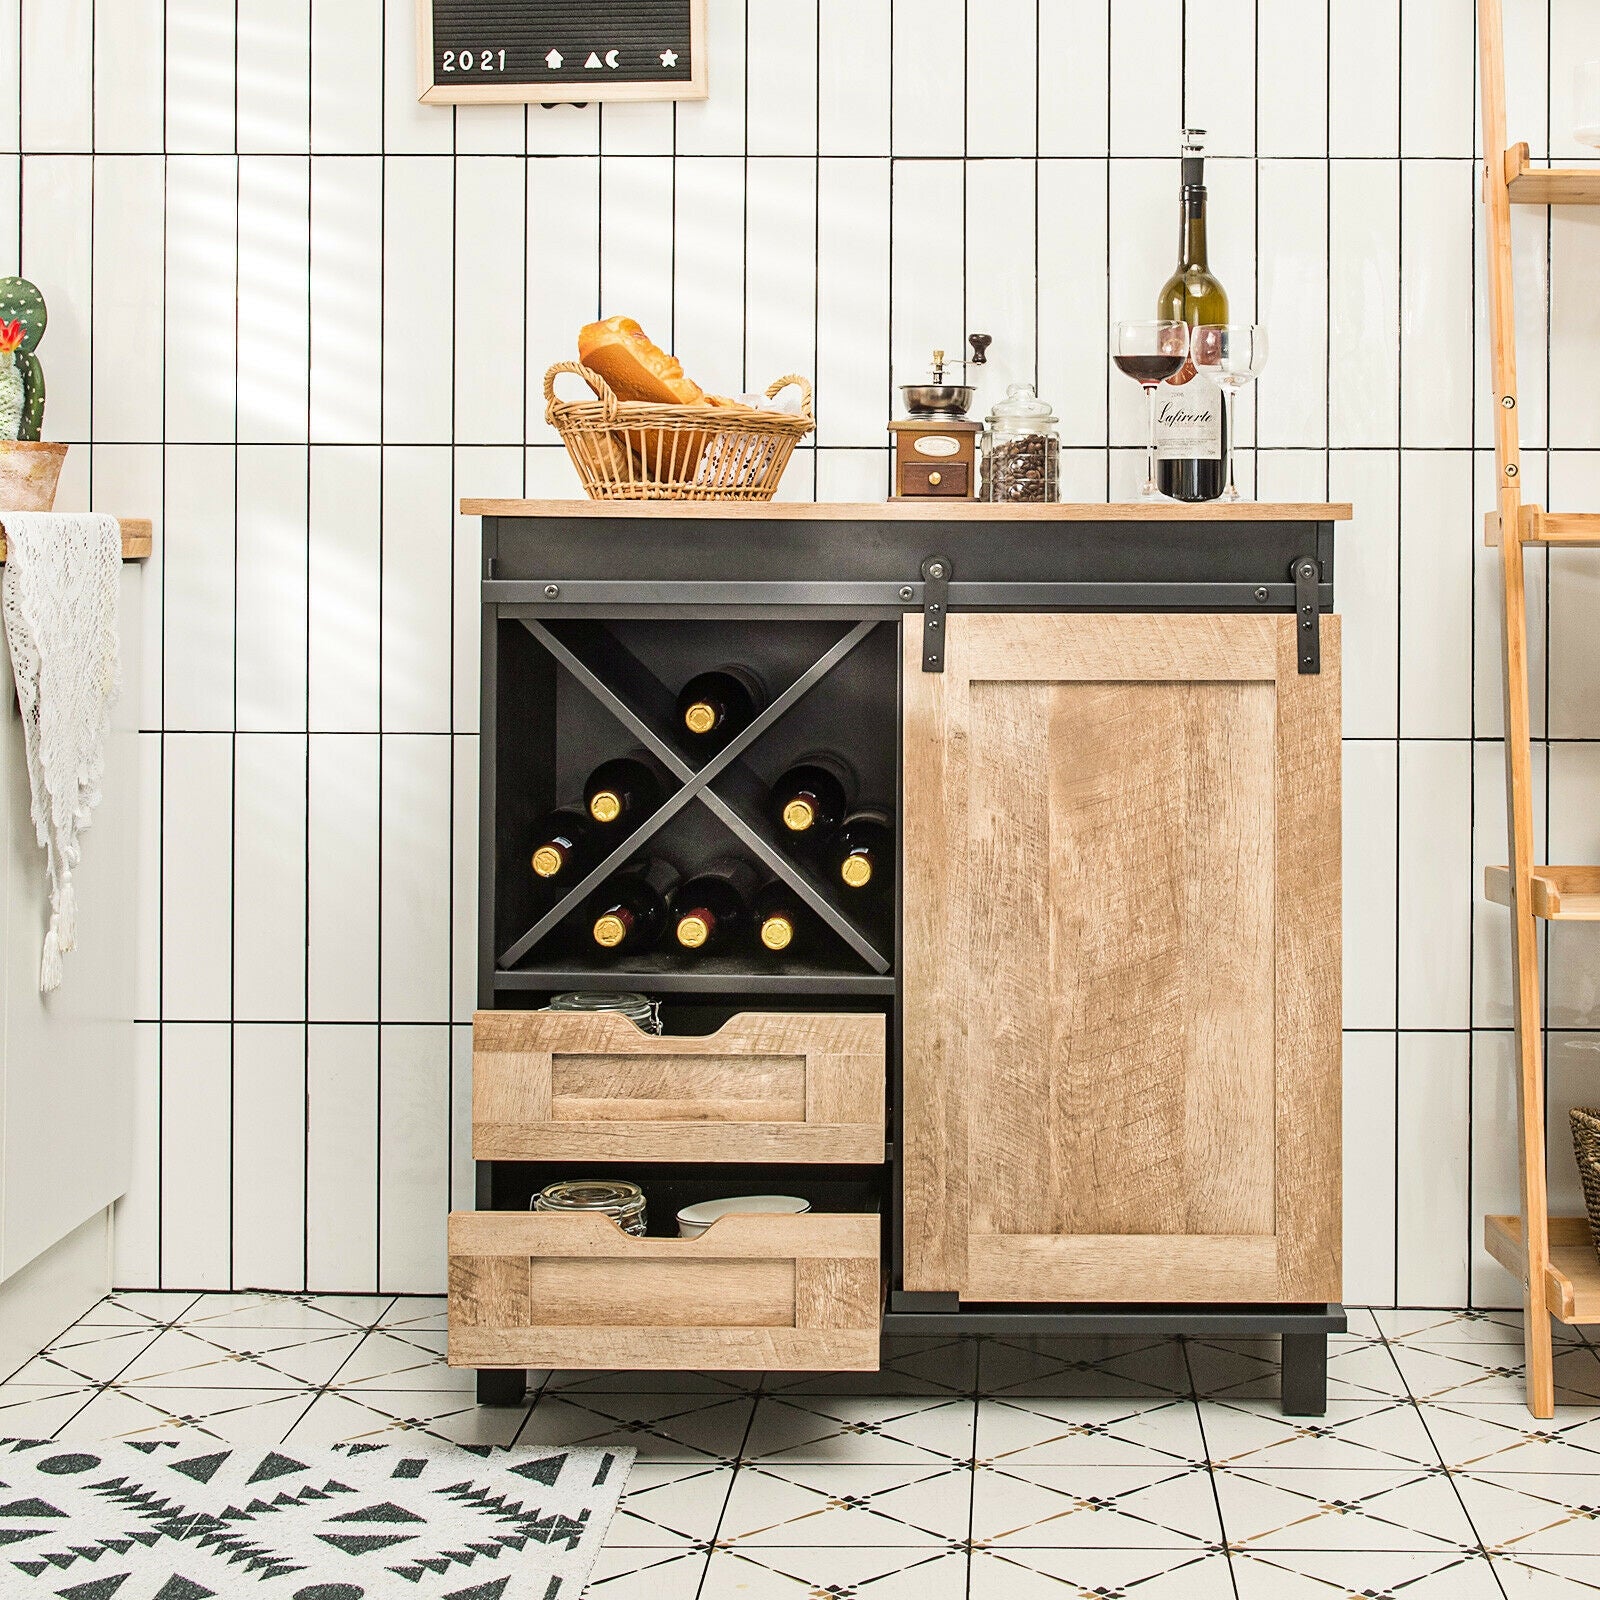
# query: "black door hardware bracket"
1307 626
935 611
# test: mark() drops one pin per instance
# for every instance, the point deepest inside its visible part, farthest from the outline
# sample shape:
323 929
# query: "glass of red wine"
1150 353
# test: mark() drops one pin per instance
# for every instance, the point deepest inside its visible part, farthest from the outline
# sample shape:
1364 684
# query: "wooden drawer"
539 1289
564 1086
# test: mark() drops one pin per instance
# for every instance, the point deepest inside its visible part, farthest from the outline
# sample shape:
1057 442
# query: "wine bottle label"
1189 421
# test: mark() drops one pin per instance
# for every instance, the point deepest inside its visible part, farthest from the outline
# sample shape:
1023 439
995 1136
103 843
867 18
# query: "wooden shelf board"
137 538
916 511
1552 186
1560 894
1573 1276
1571 530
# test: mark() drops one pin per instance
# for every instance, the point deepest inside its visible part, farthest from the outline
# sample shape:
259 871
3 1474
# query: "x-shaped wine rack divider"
639 686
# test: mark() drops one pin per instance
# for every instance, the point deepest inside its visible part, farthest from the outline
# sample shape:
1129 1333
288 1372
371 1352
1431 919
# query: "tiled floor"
984 1468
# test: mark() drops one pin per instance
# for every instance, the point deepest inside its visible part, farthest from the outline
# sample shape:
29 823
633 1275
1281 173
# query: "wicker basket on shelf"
1586 1144
630 450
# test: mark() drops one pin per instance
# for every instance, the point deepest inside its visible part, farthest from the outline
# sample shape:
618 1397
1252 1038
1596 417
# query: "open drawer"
544 1289
767 1086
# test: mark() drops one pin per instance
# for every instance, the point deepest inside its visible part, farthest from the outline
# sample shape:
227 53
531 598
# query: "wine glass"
1230 355
1150 353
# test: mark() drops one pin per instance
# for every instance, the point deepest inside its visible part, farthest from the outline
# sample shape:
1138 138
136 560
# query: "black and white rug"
174 1520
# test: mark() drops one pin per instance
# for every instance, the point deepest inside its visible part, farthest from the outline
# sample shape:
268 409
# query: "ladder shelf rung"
1572 1278
1549 186
1560 894
1559 530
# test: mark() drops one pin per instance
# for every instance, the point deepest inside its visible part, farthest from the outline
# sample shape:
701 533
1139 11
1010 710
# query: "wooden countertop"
137 537
917 510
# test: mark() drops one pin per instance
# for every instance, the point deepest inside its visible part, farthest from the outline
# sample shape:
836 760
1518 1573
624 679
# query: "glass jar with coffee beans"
1021 450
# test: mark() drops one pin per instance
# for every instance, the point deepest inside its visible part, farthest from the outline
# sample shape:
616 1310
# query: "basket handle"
802 384
601 389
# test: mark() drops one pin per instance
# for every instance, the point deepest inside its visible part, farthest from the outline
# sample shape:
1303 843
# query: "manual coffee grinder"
935 447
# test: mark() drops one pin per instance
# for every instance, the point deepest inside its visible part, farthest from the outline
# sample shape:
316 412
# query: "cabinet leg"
1305 1374
502 1386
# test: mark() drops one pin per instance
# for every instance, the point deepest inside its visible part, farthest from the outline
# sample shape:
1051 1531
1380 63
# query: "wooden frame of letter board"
502 94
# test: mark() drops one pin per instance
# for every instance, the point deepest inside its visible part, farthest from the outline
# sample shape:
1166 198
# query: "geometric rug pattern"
174 1519
969 1469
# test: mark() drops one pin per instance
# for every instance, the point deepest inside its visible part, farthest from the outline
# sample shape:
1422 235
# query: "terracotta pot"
29 472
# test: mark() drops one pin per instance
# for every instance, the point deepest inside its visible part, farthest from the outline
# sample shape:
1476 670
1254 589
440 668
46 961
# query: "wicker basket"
630 450
1586 1143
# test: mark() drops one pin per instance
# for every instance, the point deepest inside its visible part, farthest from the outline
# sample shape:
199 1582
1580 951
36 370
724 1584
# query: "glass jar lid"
1022 411
612 1198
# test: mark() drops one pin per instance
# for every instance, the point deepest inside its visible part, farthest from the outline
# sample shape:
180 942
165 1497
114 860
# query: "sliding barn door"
1121 941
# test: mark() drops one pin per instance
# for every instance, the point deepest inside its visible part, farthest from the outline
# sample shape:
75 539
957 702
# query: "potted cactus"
29 469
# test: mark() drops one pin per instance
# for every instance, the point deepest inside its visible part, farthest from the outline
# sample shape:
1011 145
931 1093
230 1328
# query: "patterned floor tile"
379 1418
669 1503
1487 1373
85 1356
723 1383
661 1427
848 1572
1134 1574
1463 1327
235 1357
239 1416
636 1573
324 1313
1102 1507
1087 1368
415 1311
1341 1510
1526 1512
1390 1575
836 1506
1025 1432
1504 1438
860 1430
407 1358
1354 1433
1548 1577
34 1413
139 1308
1250 1369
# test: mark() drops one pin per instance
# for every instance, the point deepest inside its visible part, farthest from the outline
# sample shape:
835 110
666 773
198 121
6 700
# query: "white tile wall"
296 316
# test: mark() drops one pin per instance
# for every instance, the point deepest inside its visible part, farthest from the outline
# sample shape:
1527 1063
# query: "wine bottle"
784 926
861 853
712 908
813 797
713 706
1190 421
628 913
565 842
624 790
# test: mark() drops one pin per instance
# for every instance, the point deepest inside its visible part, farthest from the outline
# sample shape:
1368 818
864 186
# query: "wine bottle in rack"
628 913
713 706
784 925
813 797
861 854
564 842
625 790
1191 425
711 909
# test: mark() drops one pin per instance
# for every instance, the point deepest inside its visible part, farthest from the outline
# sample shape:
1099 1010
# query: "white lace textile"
59 598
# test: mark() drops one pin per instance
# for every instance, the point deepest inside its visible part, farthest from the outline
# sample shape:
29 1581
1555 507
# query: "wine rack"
570 692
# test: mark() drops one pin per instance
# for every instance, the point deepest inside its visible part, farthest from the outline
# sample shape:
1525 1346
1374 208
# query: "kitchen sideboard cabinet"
1079 1073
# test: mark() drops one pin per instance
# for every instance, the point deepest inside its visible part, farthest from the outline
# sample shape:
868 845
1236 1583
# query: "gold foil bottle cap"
605 807
610 931
777 933
694 930
548 860
700 718
856 871
799 815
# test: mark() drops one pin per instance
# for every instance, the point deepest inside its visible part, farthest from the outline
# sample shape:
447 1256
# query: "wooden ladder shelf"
1553 1257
